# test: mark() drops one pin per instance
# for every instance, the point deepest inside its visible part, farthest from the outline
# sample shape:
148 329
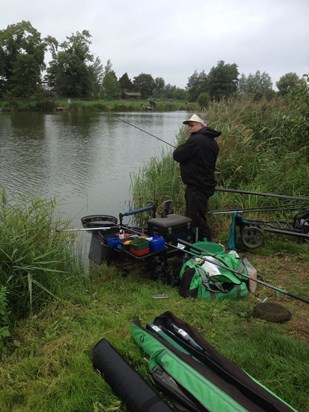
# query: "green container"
210 248
139 244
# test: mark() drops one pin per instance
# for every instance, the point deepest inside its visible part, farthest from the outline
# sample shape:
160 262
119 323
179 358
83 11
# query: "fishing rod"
218 189
86 229
222 189
142 130
257 209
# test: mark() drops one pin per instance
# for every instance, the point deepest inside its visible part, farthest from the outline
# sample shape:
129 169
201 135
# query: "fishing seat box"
171 228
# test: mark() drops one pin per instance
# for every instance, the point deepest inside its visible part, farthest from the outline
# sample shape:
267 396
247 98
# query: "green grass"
126 105
52 104
51 353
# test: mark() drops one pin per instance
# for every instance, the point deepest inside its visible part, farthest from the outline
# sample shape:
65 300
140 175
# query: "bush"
203 100
37 261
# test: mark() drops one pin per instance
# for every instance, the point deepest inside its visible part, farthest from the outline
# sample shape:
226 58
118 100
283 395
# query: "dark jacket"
197 158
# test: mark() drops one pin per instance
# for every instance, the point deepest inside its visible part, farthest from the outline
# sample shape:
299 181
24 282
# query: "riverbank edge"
67 104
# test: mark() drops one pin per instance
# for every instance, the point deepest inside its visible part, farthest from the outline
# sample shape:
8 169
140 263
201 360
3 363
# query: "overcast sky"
173 38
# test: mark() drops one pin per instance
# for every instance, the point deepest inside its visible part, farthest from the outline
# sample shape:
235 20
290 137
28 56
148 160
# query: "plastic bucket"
210 248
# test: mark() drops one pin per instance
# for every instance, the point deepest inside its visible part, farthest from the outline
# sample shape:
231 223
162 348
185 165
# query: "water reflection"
84 160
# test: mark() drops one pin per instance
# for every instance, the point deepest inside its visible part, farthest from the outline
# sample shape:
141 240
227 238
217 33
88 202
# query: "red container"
139 252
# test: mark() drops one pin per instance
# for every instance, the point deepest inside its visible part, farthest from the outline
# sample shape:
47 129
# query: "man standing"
197 158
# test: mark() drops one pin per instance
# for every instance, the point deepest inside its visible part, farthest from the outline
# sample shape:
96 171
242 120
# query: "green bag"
197 375
205 280
198 386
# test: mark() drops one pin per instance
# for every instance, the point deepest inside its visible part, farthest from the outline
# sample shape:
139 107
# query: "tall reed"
37 259
264 147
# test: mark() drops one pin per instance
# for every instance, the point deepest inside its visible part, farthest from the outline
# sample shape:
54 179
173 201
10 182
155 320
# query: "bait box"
139 247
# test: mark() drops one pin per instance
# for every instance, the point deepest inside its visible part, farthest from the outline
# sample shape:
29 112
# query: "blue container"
157 243
112 241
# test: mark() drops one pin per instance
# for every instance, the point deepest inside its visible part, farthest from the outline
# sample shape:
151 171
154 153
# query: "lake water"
84 160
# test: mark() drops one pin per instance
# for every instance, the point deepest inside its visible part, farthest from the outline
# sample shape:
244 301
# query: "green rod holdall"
203 390
178 354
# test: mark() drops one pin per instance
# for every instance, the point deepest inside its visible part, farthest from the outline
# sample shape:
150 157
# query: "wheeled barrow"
252 231
114 242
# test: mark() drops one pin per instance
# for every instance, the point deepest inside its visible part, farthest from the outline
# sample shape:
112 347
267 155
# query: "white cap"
195 118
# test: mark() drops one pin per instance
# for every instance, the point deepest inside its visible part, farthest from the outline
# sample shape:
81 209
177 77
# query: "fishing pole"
257 209
85 229
142 130
222 189
219 189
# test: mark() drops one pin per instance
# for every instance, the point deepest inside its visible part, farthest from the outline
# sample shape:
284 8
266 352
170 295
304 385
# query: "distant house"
132 95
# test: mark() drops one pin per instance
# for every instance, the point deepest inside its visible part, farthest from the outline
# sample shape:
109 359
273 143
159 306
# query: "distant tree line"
75 72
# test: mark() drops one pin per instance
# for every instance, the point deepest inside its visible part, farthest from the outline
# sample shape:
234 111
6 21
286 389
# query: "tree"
222 80
110 85
203 100
97 75
145 84
159 87
70 72
197 84
22 60
287 82
174 92
125 84
255 83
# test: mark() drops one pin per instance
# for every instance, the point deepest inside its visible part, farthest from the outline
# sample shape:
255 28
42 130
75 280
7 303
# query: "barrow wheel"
252 237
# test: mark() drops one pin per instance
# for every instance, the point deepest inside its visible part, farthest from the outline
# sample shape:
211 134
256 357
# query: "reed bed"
264 147
37 260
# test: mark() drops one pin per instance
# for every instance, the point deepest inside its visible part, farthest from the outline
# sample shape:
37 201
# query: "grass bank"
50 352
120 105
46 362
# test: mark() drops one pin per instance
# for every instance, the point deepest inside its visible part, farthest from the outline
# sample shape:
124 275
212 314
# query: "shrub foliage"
36 256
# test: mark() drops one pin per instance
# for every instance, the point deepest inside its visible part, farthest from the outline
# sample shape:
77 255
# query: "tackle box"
139 247
171 227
